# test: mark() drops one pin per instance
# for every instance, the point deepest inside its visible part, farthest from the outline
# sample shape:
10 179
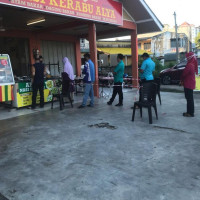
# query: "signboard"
25 99
24 87
6 74
108 11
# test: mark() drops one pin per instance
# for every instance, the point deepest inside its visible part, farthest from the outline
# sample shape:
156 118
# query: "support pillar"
31 47
78 57
134 49
93 54
34 43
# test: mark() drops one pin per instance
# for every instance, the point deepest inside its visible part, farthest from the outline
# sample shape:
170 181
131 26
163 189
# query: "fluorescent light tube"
35 22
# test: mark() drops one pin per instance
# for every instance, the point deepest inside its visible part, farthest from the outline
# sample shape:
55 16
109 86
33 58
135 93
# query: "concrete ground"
172 88
7 113
100 154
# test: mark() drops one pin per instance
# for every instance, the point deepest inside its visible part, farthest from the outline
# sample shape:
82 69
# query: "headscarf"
191 59
68 68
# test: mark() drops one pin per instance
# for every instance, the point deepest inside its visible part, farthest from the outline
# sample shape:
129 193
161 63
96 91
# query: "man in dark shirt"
38 72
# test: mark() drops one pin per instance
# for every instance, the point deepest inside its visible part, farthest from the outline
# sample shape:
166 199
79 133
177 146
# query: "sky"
186 10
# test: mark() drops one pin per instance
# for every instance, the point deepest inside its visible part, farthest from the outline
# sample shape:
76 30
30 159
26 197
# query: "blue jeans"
88 92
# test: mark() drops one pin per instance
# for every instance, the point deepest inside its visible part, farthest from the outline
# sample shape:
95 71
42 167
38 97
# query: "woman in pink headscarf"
68 77
189 83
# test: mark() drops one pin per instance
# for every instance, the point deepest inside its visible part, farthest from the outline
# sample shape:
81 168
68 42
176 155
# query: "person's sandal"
187 115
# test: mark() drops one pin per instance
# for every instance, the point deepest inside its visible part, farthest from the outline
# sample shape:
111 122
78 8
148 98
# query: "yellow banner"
26 98
197 83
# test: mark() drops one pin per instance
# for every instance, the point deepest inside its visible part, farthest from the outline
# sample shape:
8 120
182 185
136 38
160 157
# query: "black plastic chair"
148 93
58 97
66 88
64 93
158 81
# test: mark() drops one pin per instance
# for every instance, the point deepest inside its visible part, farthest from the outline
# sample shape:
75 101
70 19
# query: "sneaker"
90 106
109 103
119 104
81 106
184 114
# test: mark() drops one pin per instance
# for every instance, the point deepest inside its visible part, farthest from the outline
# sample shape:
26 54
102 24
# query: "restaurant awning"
124 51
143 16
136 11
133 10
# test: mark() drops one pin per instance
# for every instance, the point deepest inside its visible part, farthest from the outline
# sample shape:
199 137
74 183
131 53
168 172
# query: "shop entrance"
54 52
18 50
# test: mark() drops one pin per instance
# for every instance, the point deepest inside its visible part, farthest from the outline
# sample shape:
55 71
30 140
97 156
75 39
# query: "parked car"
173 74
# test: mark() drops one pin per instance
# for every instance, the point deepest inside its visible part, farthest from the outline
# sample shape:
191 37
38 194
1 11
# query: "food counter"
23 92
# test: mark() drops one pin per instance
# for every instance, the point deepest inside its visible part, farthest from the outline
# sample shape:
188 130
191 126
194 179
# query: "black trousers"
117 90
36 87
190 100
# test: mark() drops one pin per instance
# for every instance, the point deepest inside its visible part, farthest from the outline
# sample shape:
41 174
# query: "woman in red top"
189 83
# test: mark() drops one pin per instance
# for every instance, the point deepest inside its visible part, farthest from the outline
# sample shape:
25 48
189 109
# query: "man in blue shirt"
118 80
147 68
89 79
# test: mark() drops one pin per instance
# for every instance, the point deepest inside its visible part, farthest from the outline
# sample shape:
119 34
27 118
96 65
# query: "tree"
197 41
158 68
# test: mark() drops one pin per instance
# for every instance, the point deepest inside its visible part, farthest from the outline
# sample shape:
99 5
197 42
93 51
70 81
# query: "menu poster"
6 73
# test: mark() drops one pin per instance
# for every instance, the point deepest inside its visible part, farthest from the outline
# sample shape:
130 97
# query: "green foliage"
197 41
170 64
140 60
159 67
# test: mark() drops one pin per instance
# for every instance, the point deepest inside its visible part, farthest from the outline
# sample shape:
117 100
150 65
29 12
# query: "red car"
173 74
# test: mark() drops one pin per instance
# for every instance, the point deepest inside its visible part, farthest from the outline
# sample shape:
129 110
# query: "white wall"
113 60
104 57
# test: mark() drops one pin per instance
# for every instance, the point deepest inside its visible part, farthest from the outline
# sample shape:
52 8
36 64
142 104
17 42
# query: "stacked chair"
148 91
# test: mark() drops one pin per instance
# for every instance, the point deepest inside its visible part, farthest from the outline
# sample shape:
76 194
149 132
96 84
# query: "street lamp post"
177 45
